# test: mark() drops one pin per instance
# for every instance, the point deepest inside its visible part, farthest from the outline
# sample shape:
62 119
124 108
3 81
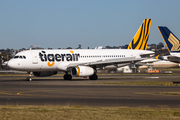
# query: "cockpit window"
20 57
16 57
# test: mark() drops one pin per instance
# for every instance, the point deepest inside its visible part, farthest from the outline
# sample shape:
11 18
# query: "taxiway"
81 91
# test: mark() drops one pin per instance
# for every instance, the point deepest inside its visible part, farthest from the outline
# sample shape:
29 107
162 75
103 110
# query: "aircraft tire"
67 77
29 79
93 77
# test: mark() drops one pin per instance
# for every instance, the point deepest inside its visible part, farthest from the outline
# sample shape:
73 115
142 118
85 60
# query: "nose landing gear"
29 78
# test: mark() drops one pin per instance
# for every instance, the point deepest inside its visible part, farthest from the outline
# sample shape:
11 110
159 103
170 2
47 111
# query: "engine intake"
82 71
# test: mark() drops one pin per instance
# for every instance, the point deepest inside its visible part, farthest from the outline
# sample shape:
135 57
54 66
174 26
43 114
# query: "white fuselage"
59 60
173 57
175 54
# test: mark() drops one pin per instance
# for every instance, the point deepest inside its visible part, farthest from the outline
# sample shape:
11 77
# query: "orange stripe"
50 64
78 71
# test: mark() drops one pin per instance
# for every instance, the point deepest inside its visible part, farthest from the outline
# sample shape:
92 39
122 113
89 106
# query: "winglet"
172 42
140 39
157 57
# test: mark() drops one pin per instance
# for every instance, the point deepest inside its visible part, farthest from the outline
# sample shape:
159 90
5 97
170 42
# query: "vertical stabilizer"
172 42
140 39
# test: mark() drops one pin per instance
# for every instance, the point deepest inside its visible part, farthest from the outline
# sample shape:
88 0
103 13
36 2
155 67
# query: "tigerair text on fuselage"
58 57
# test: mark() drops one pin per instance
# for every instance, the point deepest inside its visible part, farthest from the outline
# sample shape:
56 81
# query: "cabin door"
34 58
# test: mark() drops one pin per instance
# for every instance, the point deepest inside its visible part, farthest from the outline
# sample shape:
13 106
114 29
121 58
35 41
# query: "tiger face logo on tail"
140 39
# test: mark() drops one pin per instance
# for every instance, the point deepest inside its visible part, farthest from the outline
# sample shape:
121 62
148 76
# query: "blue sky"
92 23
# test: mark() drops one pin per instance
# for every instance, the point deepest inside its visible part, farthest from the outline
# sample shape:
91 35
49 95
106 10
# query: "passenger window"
20 57
24 57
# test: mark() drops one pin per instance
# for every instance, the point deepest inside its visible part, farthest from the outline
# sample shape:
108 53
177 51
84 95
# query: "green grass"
139 83
86 113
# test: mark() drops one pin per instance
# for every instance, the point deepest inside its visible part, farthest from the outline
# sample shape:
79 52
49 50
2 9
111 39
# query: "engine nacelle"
82 71
44 73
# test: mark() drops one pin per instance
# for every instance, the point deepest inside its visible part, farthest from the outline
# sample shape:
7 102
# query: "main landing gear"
93 77
67 76
29 78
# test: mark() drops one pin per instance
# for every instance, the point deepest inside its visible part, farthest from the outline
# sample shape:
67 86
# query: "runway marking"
24 94
170 93
155 93
145 93
152 77
21 93
6 93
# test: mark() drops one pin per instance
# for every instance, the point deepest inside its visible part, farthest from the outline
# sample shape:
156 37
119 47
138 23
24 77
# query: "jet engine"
82 71
44 73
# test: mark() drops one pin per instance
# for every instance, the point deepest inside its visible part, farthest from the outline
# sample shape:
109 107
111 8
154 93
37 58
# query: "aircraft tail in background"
172 42
140 39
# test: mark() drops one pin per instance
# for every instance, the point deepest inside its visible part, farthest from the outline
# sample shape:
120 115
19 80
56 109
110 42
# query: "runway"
81 91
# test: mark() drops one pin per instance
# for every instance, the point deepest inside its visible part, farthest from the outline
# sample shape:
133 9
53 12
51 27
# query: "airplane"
74 62
155 65
172 44
139 42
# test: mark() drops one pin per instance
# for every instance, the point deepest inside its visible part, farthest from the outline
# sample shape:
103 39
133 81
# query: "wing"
105 62
175 59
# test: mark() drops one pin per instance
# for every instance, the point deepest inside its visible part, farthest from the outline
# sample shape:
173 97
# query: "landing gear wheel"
67 77
29 79
93 77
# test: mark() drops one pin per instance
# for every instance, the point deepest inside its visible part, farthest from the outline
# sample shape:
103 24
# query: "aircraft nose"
10 64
